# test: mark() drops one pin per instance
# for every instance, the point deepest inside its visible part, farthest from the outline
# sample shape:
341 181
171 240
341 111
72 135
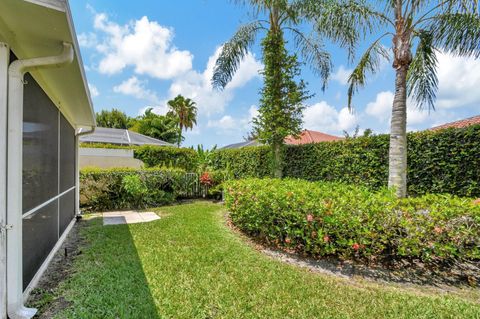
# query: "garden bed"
435 235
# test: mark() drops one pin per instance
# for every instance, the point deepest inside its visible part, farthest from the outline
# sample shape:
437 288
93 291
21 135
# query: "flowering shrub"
322 219
205 179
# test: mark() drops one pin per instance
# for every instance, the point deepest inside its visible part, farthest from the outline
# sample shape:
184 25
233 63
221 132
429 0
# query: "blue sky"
140 54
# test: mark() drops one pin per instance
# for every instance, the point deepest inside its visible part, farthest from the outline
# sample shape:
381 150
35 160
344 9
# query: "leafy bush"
333 219
445 161
184 158
244 162
111 189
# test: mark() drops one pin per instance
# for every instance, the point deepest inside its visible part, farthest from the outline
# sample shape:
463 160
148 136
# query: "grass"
190 265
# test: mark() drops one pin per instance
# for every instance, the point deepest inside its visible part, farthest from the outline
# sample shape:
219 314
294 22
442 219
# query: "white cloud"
93 90
381 107
459 81
325 118
134 87
143 44
229 124
342 75
87 40
198 86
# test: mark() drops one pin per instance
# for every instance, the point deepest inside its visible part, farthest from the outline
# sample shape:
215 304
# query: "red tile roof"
307 137
459 124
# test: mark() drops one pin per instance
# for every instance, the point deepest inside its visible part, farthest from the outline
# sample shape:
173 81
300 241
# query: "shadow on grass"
105 279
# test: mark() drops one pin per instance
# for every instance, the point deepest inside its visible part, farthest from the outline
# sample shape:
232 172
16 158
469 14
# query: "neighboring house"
475 120
306 137
44 102
110 157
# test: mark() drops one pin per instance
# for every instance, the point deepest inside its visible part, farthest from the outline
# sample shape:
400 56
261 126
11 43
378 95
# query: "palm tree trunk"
278 160
397 173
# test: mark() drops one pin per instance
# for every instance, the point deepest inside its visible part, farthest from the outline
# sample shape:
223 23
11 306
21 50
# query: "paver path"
128 217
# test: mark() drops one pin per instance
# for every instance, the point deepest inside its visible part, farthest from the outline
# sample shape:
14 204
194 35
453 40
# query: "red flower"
288 240
326 238
310 218
205 179
356 246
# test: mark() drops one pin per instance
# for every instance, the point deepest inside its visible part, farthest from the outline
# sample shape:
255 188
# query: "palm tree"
185 111
341 21
451 26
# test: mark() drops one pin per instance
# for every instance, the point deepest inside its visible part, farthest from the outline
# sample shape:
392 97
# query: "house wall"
107 158
49 147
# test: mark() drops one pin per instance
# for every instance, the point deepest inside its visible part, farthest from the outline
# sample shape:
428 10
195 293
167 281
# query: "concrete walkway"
128 217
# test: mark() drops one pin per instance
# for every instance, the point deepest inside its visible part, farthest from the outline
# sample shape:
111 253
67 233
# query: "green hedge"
255 161
112 189
350 221
446 161
184 158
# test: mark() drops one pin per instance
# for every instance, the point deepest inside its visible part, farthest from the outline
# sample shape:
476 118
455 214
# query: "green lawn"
189 265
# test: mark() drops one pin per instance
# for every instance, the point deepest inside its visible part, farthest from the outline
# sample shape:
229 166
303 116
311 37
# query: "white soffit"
36 28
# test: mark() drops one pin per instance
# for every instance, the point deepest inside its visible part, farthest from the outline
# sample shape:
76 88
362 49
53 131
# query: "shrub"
111 189
445 161
333 219
152 156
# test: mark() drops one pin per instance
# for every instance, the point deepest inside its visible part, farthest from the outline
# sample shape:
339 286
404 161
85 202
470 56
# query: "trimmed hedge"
112 189
333 219
152 156
446 161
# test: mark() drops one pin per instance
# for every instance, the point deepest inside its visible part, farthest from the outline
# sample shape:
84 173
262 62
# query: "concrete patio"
128 217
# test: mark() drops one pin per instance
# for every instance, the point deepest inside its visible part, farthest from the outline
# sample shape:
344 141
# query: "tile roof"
308 137
459 124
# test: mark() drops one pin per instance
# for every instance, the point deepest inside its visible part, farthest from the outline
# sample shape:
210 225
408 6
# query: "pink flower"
356 246
310 218
438 230
326 238
476 202
288 240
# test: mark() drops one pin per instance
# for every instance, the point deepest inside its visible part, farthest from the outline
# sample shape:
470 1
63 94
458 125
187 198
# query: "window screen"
40 146
67 210
67 155
40 233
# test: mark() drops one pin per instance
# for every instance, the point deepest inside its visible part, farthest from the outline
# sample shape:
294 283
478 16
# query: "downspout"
77 168
16 72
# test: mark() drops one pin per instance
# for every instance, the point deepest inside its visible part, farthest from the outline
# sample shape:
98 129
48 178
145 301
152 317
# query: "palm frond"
344 22
233 52
369 63
457 33
422 80
314 54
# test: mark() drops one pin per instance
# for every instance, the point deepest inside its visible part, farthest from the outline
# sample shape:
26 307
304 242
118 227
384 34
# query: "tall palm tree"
340 21
185 110
451 26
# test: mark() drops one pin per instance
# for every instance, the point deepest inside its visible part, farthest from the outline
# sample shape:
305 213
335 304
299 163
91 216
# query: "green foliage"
162 127
184 158
112 189
244 162
112 119
446 161
333 219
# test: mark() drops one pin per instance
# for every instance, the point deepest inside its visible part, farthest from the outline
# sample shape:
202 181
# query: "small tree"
162 127
281 102
112 119
185 111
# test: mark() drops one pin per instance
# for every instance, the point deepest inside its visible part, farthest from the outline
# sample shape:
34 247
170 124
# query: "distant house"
109 157
475 120
306 137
